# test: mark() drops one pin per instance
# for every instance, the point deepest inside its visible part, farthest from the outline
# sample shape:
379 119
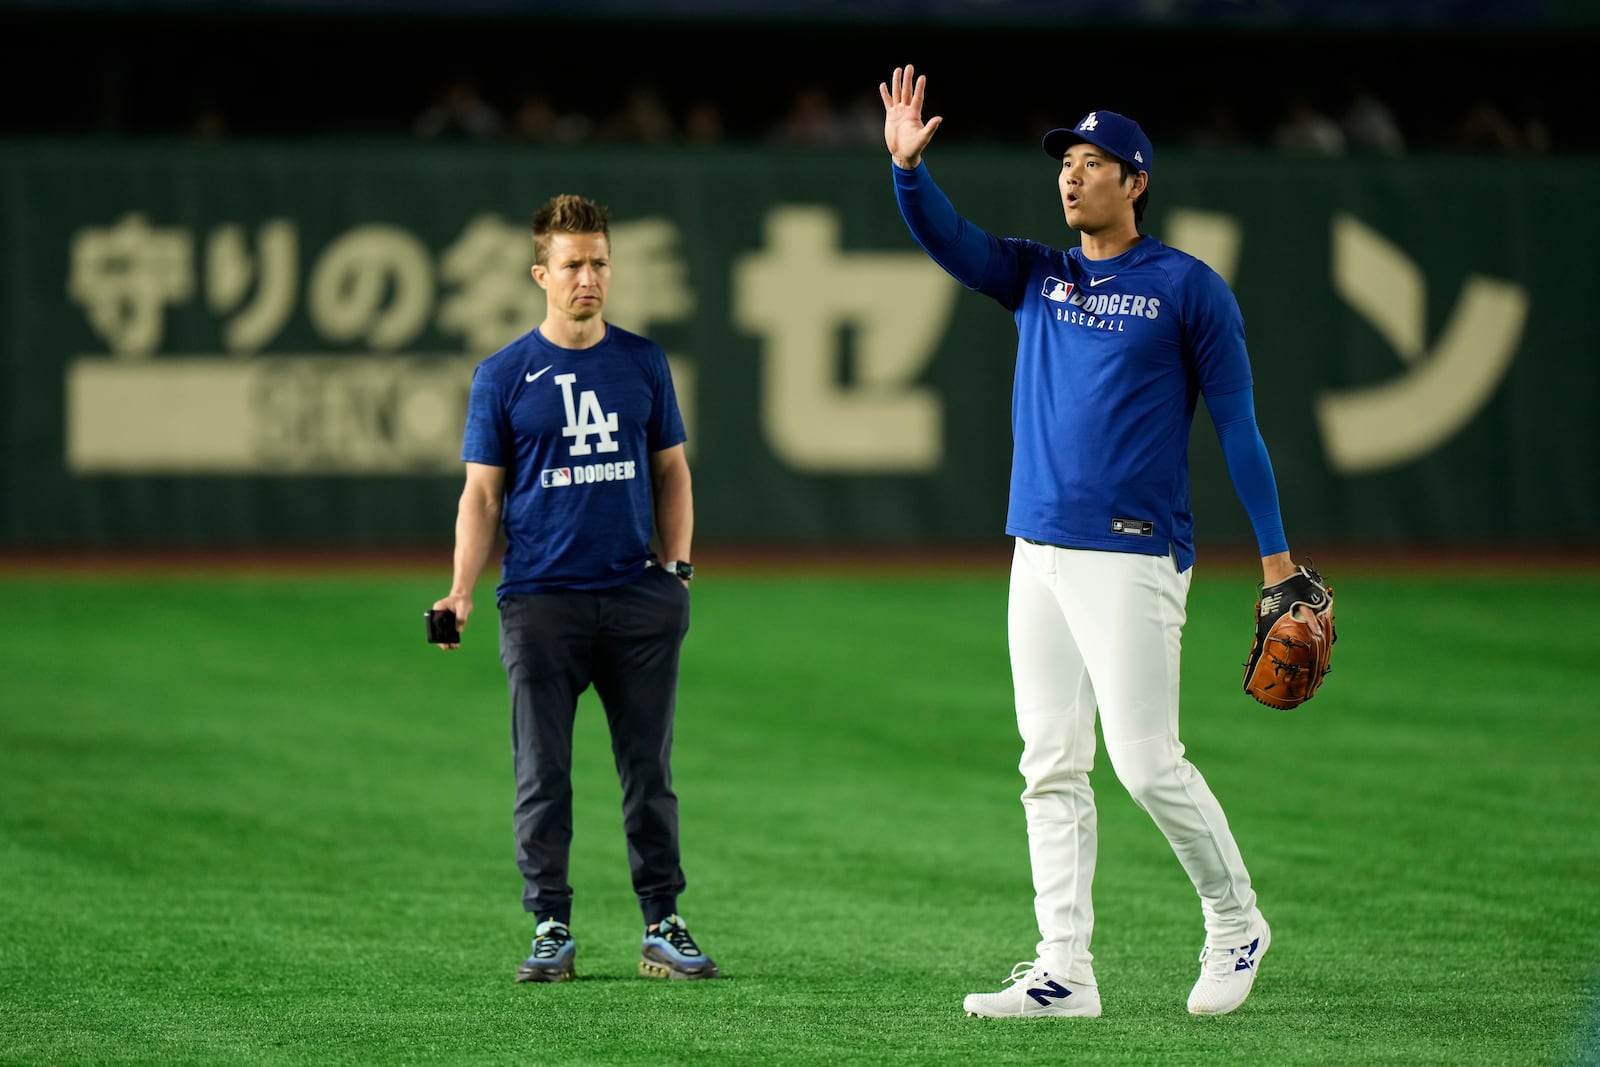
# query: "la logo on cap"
1091 122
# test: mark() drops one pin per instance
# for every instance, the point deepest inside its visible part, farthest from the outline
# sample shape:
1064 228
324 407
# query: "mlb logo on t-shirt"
555 476
1057 290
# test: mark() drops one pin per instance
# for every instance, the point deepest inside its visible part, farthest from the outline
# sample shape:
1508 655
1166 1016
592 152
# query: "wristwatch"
679 568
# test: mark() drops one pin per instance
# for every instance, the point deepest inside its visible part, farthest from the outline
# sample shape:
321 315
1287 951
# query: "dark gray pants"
625 642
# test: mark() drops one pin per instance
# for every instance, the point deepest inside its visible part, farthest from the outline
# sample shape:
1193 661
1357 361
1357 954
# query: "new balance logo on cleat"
1034 994
1226 974
1052 991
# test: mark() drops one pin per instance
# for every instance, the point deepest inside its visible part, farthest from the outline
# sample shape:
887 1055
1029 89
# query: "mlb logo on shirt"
1057 290
555 476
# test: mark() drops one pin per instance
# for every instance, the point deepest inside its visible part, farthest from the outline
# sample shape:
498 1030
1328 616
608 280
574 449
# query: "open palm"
904 132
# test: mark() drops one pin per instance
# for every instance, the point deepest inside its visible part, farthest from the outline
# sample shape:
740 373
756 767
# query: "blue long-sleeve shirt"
1112 355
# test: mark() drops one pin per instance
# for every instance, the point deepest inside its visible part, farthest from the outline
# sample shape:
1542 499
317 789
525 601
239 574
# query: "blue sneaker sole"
546 974
656 969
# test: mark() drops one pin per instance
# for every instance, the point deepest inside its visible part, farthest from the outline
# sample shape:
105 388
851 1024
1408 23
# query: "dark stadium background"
294 68
248 817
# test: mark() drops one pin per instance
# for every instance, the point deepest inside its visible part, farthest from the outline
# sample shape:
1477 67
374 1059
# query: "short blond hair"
567 213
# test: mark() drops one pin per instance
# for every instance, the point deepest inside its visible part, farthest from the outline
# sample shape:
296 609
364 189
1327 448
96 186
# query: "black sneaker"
553 951
669 952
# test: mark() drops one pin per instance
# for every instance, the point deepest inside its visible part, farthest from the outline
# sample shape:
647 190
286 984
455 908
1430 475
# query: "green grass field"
254 819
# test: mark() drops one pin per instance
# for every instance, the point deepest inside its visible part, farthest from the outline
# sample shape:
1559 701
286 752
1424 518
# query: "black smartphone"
442 627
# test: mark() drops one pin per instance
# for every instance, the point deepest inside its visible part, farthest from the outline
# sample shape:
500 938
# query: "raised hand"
904 132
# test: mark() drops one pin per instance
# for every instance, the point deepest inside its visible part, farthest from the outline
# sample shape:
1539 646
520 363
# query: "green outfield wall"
259 345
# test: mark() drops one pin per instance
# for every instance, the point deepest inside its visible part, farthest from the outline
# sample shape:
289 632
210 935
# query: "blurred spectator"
1486 126
459 113
1218 131
1535 130
1035 124
1369 124
1305 131
811 121
861 125
1537 134
642 119
209 123
536 120
703 124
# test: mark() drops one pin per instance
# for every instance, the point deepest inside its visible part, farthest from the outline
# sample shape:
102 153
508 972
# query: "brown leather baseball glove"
1294 639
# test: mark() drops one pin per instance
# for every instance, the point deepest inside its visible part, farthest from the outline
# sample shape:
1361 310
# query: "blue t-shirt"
574 430
1112 355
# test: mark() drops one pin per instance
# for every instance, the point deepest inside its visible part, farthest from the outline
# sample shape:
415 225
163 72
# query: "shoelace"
547 946
677 935
1022 970
1220 962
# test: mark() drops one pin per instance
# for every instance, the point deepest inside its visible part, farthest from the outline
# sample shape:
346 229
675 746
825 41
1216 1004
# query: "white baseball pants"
1103 630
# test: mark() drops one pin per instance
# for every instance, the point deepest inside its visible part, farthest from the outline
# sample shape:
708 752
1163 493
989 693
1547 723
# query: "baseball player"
575 445
1116 340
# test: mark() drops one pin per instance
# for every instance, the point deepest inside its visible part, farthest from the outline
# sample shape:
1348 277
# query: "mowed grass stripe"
255 819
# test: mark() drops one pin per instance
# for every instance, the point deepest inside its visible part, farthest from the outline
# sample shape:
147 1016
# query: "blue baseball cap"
1115 133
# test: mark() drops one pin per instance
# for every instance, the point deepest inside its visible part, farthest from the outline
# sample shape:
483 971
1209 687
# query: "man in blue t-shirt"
575 446
1116 341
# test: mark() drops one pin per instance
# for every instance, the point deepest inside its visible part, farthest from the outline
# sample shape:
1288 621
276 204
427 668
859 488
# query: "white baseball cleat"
1034 994
1226 974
